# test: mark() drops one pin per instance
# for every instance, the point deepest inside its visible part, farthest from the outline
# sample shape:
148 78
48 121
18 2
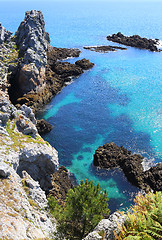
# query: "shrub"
144 221
84 208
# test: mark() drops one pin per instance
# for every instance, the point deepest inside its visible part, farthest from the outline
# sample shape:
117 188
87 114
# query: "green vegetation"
144 221
84 208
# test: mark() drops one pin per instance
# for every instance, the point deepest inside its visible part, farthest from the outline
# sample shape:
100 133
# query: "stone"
43 126
135 41
27 111
4 34
61 183
39 161
85 64
25 126
107 227
35 192
4 170
111 156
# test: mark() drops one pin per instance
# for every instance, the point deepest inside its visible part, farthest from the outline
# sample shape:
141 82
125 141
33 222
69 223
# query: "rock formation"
135 41
43 126
106 227
26 165
111 156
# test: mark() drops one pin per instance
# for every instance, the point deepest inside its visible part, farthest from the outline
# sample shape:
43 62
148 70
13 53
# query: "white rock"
4 170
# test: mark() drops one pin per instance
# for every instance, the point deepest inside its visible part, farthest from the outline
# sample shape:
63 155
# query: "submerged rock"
135 41
104 49
111 156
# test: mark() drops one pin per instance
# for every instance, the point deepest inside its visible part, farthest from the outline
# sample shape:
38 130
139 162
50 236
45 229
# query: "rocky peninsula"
31 73
135 41
111 156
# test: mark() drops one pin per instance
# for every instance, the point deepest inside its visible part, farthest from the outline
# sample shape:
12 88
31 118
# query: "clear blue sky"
82 0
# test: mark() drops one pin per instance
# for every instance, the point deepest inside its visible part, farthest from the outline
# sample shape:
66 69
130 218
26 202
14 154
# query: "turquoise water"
118 100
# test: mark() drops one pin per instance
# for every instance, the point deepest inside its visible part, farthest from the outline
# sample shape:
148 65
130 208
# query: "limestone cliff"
26 165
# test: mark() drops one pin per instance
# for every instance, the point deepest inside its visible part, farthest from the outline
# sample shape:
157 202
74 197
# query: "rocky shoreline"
135 41
111 156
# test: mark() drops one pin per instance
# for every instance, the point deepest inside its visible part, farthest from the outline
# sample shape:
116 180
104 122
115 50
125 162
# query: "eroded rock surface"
135 41
107 227
111 156
43 126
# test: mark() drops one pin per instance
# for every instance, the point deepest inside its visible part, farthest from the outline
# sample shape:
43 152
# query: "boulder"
4 170
43 126
85 64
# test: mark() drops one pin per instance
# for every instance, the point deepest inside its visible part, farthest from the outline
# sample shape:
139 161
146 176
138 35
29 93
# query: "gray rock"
4 170
28 112
93 236
108 226
35 192
4 34
26 126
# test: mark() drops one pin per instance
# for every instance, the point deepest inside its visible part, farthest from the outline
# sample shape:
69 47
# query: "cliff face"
32 42
26 165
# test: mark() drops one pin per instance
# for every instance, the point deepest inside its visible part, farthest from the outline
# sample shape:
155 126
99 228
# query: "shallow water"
118 100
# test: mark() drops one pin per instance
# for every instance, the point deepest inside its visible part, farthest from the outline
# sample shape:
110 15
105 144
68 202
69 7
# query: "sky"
82 0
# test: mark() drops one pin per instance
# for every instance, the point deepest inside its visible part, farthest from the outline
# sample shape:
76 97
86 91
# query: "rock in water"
32 42
135 41
111 156
85 64
43 126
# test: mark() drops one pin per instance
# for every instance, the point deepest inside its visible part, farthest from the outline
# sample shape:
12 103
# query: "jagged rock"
4 170
135 41
93 236
85 64
111 156
4 34
28 113
35 192
66 69
107 227
21 218
54 54
153 177
43 126
25 126
40 161
61 183
32 42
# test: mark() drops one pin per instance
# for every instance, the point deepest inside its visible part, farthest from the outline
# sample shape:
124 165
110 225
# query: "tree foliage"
144 221
84 208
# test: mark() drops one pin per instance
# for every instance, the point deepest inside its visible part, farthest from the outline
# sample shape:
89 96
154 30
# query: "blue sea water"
118 100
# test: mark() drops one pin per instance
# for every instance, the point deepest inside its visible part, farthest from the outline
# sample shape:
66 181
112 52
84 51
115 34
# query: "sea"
118 100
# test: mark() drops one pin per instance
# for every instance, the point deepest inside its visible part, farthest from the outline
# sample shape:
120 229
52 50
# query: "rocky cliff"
27 163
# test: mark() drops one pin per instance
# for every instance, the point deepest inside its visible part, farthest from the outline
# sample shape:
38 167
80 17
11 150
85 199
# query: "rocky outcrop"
106 227
135 41
61 183
5 36
26 165
111 156
32 42
43 126
85 64
55 54
104 49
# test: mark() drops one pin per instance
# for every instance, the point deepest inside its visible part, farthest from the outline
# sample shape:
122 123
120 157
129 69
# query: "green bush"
84 208
144 221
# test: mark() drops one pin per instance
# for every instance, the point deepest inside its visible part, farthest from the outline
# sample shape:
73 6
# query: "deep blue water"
118 100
